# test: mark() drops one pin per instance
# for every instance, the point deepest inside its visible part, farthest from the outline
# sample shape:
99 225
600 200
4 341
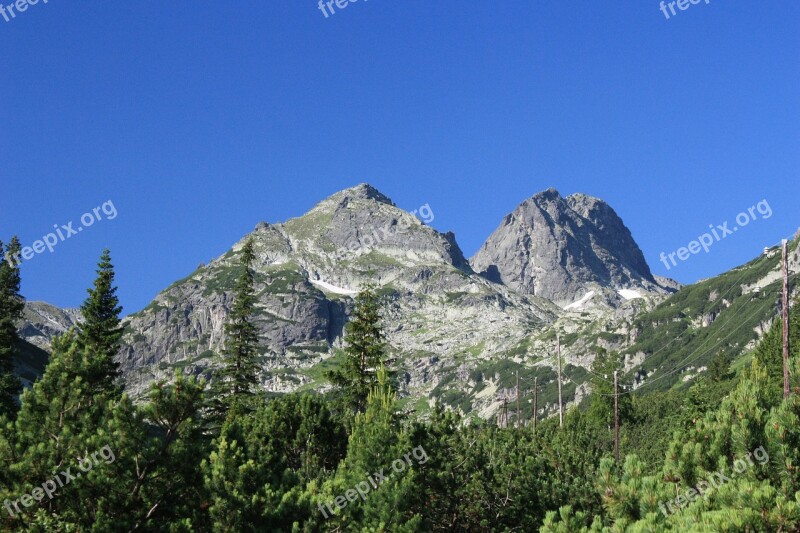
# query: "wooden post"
616 418
519 420
560 401
785 315
535 402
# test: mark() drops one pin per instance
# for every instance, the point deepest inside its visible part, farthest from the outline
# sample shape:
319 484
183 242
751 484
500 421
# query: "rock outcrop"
564 248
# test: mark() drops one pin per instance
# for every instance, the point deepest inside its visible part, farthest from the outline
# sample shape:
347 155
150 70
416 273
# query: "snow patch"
579 303
332 288
629 294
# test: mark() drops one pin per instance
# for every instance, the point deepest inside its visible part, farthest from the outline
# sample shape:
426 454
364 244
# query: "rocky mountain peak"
550 195
549 200
611 231
563 248
362 191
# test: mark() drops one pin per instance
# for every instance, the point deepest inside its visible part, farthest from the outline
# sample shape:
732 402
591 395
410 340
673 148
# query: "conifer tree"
601 408
377 444
100 330
769 352
11 307
365 351
142 467
238 378
735 469
260 463
719 367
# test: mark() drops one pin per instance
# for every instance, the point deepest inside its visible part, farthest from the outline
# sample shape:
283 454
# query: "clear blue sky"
199 119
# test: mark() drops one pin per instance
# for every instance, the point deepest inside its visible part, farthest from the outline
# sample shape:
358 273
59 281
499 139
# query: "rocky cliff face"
455 336
563 249
43 321
307 271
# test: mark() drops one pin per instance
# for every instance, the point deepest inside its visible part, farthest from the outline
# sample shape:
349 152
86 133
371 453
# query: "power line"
686 360
689 358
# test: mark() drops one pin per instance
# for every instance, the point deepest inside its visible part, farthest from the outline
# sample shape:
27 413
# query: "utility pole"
785 313
502 415
616 418
560 402
519 420
535 402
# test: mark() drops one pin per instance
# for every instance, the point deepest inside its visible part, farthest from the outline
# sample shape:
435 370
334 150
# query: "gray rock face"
454 335
563 248
307 271
42 321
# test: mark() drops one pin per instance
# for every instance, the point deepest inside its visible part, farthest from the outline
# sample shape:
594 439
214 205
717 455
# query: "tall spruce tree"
365 351
11 307
601 406
101 331
237 380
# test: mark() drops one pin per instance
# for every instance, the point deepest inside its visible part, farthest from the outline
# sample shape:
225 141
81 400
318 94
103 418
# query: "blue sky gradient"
200 119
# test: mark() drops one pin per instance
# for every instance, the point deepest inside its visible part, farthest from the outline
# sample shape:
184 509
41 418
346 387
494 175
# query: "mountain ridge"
456 336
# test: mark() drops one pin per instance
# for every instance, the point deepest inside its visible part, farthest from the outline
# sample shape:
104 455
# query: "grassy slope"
670 337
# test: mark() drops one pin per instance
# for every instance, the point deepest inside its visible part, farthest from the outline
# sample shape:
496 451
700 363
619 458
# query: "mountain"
573 251
455 336
40 322
307 270
43 321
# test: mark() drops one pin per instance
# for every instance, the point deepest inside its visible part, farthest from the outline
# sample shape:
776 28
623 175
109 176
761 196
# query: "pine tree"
365 351
601 408
101 331
238 378
769 352
735 469
376 444
148 475
719 367
11 307
261 461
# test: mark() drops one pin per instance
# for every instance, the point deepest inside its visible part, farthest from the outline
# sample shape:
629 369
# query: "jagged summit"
364 191
343 198
563 248
363 219
550 193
